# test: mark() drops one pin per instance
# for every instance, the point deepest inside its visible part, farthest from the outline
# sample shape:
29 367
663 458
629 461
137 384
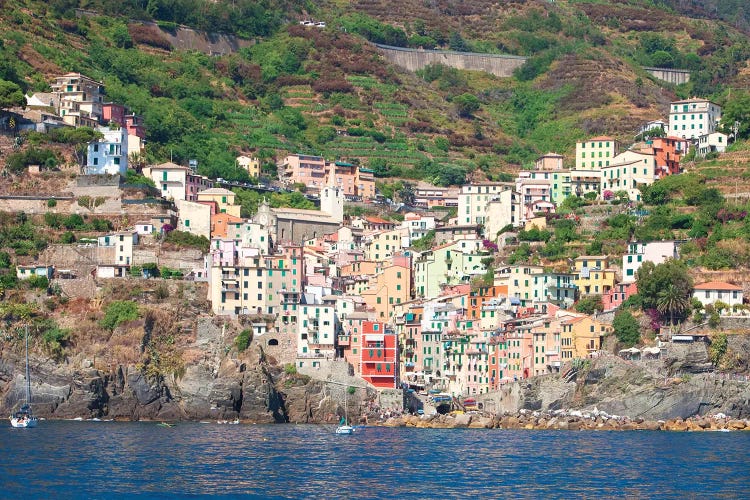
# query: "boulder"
461 420
736 424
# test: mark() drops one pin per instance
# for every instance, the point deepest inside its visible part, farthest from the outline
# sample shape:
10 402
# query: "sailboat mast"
28 378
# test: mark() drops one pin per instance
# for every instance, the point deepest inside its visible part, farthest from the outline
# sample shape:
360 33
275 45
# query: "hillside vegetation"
328 92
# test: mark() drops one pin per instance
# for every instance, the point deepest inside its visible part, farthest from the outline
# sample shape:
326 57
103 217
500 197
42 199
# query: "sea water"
61 459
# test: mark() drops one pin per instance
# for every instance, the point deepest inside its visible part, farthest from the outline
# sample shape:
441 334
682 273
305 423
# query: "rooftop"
717 285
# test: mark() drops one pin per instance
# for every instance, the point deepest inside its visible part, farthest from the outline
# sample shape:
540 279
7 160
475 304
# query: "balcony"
316 342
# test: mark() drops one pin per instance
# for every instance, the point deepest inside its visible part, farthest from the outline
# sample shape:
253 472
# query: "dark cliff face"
250 389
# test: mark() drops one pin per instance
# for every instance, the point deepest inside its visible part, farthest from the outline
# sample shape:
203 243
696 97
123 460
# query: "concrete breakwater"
565 420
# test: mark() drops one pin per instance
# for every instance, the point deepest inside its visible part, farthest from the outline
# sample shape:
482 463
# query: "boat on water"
24 417
344 427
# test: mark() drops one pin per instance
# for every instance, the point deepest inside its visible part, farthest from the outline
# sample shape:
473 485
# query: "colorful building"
379 355
593 275
595 153
581 337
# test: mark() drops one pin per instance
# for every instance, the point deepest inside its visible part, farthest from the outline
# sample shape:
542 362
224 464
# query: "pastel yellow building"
389 288
251 165
593 275
223 198
582 337
383 245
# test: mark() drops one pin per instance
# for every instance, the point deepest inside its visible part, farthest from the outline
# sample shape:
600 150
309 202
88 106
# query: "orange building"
669 151
478 297
220 223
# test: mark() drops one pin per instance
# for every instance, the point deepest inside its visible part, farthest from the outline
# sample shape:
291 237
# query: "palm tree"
671 300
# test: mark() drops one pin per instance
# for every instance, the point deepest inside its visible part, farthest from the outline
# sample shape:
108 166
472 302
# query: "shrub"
54 338
67 238
51 203
588 305
161 292
243 339
118 312
39 282
714 320
5 260
290 369
718 349
185 239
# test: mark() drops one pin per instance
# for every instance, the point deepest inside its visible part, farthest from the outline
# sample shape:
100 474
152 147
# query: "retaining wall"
674 76
414 59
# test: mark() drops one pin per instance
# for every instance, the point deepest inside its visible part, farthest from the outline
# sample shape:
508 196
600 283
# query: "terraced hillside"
328 92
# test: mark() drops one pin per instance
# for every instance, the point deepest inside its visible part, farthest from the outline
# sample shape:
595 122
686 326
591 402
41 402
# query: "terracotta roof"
377 220
717 285
600 138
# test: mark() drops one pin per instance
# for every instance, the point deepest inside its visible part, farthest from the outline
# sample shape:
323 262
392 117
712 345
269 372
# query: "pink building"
304 169
550 161
614 297
194 184
353 180
113 113
135 126
520 346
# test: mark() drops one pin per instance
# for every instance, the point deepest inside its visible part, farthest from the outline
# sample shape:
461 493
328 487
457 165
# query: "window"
187 222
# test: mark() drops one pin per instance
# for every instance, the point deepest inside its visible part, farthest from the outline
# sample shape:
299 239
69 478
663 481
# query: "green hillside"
328 92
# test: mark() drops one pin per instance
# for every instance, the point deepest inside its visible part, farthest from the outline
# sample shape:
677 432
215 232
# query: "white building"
713 291
656 251
317 324
170 179
692 118
108 155
715 142
629 170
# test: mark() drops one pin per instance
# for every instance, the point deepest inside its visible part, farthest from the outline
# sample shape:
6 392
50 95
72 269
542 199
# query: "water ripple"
110 460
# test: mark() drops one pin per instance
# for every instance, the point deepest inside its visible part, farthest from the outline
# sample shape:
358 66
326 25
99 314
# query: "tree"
652 279
466 104
406 194
673 301
11 95
626 328
736 115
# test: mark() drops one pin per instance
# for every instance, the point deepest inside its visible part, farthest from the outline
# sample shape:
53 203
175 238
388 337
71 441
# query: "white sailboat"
24 416
344 427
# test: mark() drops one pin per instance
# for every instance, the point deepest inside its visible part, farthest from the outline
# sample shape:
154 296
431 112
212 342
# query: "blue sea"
64 459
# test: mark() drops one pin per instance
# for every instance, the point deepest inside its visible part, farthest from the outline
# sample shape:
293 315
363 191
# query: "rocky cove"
679 391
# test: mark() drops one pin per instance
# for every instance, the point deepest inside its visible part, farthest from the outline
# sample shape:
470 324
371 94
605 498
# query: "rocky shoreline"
565 420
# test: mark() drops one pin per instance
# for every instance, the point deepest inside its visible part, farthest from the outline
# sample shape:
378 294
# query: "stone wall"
391 399
414 59
97 180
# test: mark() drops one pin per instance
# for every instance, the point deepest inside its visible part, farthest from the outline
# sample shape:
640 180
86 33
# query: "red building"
378 356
